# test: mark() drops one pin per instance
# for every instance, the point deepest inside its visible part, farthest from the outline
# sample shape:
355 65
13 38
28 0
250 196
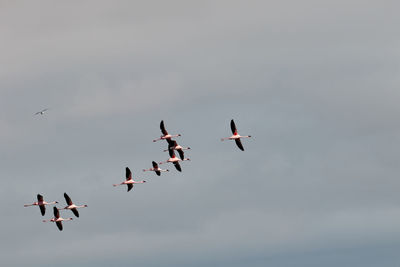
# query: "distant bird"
236 136
172 144
41 112
57 219
41 203
129 182
71 206
165 135
156 169
173 159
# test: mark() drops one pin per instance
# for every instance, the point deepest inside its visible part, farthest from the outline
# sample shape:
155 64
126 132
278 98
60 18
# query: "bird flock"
172 147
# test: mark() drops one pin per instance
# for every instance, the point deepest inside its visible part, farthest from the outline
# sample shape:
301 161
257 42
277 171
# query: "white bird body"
173 145
57 219
173 159
41 203
129 181
166 135
236 136
41 112
71 206
156 169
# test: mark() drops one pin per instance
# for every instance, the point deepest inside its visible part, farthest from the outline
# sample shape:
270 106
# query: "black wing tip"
130 186
128 172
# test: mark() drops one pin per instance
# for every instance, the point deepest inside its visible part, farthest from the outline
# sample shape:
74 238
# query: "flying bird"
236 136
41 112
156 169
173 159
173 145
129 182
57 219
71 206
41 203
165 135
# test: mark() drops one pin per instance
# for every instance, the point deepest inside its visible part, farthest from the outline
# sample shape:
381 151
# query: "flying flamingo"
129 182
57 219
41 203
172 144
173 159
71 206
41 112
165 135
236 136
156 169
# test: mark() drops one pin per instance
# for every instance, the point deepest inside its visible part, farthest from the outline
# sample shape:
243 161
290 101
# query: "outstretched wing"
171 152
130 186
177 166
170 142
239 144
67 199
56 212
75 212
59 225
39 197
158 173
42 209
181 154
128 174
155 165
162 127
233 127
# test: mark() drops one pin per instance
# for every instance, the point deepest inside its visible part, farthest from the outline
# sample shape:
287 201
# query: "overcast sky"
316 83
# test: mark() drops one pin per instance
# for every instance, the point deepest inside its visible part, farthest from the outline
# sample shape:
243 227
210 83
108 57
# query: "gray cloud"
314 83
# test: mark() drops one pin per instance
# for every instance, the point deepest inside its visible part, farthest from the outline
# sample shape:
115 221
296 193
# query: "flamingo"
173 159
165 135
57 219
41 203
236 136
41 112
172 144
71 206
129 182
156 169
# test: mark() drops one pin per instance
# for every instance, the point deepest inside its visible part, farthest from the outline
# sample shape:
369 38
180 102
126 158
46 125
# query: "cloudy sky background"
316 84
